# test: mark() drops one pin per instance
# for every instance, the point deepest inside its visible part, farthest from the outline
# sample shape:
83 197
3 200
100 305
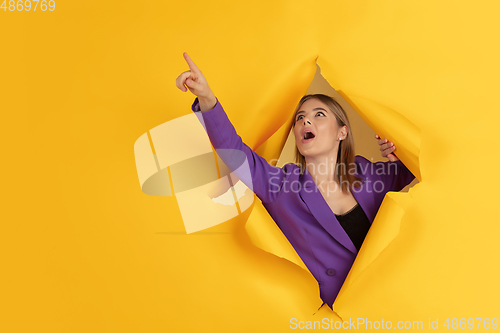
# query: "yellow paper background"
84 249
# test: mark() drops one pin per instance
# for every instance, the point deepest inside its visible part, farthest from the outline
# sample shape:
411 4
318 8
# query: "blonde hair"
345 157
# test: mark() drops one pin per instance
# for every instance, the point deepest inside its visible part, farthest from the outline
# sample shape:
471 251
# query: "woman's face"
315 116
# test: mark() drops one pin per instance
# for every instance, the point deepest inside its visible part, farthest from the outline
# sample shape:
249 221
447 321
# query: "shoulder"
362 166
361 160
291 168
362 163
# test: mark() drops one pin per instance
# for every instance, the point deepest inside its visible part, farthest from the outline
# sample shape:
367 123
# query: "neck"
322 168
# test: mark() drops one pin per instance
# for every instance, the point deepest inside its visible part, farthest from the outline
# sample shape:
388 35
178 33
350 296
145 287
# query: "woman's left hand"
387 148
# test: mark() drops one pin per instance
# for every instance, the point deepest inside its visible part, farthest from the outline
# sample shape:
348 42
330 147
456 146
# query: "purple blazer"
297 206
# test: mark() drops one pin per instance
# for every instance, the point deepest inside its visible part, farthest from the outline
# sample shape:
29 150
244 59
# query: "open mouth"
308 137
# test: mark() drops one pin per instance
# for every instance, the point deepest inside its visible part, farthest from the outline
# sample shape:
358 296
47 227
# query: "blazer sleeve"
394 175
265 180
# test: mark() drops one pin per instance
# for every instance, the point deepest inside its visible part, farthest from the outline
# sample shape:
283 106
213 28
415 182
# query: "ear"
344 131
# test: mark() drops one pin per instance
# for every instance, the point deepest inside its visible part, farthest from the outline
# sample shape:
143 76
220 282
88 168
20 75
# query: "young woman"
324 203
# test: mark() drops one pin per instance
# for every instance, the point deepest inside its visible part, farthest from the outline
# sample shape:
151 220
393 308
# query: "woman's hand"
194 80
387 148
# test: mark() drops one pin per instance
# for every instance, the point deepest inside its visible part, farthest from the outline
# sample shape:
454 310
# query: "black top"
356 225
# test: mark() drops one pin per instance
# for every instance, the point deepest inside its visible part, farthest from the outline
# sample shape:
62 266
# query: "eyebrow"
315 109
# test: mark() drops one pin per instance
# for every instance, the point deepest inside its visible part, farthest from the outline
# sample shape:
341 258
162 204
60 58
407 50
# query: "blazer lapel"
311 195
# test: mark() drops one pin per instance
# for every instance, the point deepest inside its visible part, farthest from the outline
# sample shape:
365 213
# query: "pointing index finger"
190 63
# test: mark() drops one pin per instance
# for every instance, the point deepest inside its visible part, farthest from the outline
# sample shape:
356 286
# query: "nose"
306 121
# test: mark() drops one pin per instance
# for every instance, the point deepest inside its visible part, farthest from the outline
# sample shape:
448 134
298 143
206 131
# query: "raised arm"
253 170
395 173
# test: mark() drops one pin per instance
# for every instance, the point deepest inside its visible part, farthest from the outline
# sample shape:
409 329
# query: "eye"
299 117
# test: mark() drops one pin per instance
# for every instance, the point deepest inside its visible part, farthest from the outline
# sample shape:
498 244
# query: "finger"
376 136
181 79
382 141
180 82
193 86
392 158
388 151
190 63
386 145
